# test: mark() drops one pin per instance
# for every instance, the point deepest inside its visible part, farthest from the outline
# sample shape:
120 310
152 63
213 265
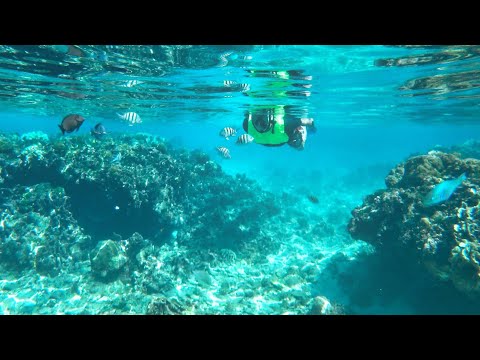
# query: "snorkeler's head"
298 138
263 120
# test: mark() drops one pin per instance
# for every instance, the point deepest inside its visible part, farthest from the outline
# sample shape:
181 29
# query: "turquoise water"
374 107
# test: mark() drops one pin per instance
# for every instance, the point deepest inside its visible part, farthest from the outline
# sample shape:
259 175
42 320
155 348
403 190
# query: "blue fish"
443 191
117 158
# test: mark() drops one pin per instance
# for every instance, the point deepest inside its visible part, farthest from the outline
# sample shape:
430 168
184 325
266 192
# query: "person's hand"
310 123
307 121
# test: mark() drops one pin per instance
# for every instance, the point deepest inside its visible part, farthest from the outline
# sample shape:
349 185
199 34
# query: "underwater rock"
443 237
107 259
320 305
163 306
44 262
134 244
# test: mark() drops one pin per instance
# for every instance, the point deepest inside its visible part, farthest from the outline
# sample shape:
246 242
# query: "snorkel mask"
263 120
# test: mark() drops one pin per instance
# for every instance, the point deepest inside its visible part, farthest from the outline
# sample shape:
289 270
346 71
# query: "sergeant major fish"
227 132
131 83
131 117
224 152
442 192
244 139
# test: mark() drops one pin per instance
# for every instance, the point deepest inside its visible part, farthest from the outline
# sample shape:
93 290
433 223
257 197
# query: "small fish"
224 152
117 158
70 123
131 117
442 192
132 83
227 132
313 199
233 84
244 139
98 131
244 87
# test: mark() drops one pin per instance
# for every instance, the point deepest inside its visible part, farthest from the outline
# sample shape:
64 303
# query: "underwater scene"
239 179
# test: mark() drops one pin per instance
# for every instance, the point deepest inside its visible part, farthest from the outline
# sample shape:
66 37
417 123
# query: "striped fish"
132 83
244 87
227 132
224 152
236 86
244 139
131 117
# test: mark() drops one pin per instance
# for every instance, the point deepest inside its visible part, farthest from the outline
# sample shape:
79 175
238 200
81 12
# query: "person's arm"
291 123
245 122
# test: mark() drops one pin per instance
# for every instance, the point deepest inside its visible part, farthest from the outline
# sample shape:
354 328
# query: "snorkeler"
271 126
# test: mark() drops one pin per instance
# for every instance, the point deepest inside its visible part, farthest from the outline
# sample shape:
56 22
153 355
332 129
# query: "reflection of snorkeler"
271 126
283 83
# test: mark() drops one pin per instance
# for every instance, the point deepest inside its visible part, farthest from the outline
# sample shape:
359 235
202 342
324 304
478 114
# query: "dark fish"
244 139
228 131
70 123
224 152
313 199
442 192
98 131
75 51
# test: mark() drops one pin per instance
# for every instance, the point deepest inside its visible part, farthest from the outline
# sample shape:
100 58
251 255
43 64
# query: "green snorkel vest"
276 134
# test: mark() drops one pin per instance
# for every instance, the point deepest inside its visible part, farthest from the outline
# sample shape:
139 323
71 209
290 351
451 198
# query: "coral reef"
128 224
107 259
37 230
163 306
469 149
444 237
